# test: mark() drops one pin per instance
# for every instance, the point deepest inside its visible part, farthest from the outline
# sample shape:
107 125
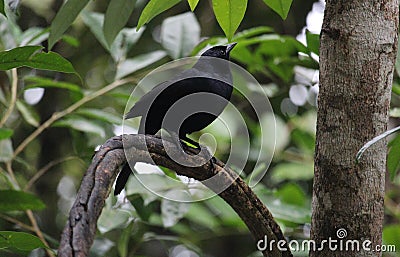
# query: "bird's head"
219 51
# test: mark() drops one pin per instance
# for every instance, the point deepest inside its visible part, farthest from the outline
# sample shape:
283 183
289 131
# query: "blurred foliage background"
281 54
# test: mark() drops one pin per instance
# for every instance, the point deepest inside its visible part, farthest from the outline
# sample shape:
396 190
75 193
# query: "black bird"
189 102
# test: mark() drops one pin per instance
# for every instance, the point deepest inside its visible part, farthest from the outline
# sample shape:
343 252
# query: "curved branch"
13 99
79 232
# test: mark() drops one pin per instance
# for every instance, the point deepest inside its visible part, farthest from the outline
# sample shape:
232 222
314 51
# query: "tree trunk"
357 57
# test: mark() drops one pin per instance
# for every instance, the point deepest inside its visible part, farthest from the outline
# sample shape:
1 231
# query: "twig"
45 125
11 173
58 115
13 99
38 232
29 213
80 230
47 167
17 222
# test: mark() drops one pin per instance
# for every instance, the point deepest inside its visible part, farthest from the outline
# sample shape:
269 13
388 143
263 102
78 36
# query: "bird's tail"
126 171
122 178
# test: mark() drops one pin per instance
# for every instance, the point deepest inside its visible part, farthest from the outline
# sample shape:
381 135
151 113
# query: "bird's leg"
190 141
207 153
176 140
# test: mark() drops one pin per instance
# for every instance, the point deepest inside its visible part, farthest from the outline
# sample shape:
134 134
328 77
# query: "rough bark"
357 57
80 230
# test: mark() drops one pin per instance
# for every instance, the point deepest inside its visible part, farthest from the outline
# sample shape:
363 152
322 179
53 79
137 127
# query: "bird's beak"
230 47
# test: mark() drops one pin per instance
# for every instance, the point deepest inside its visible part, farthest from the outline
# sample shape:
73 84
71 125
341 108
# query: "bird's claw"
183 145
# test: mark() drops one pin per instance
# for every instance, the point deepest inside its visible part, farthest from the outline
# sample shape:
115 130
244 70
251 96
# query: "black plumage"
189 102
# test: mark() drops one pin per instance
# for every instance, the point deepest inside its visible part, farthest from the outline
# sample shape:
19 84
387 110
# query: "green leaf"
95 21
256 175
391 236
249 33
30 57
169 173
199 214
397 64
229 14
142 210
33 36
6 150
393 159
2 11
139 62
292 171
244 55
279 133
64 18
117 15
303 139
51 61
124 41
209 41
226 215
112 218
123 241
28 113
396 86
100 115
173 211
5 133
11 200
279 55
147 184
278 46
288 212
154 8
29 36
312 42
101 247
281 210
49 83
281 7
82 124
180 34
395 112
19 242
291 193
306 122
70 40
193 4
17 56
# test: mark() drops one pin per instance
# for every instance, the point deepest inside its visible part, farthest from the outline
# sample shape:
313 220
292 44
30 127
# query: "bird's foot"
185 145
180 145
207 155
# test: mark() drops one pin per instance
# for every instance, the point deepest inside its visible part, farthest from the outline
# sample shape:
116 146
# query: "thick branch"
358 50
80 229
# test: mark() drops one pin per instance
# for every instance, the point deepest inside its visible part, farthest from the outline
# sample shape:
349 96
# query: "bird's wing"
144 103
180 81
141 107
